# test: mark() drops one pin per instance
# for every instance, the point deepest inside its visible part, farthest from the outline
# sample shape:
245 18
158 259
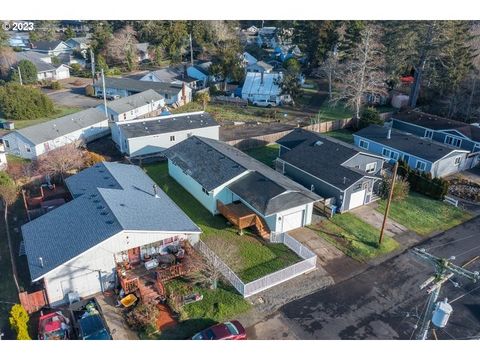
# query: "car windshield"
231 328
204 335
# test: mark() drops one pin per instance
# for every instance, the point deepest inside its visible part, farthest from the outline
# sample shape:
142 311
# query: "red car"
230 330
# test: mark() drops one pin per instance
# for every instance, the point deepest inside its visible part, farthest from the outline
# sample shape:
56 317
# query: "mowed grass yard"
59 112
344 135
354 237
425 215
245 254
265 154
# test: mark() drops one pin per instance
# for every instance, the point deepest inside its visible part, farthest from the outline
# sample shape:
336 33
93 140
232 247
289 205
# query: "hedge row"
423 183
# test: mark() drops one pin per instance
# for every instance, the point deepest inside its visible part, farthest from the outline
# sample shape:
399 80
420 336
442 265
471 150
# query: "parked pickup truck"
88 320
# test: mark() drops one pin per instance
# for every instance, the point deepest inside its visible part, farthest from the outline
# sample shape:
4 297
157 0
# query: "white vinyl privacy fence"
308 263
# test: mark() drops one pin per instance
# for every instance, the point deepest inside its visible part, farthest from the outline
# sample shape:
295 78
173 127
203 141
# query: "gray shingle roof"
321 157
420 147
128 103
45 45
133 85
172 74
98 212
264 65
36 59
167 124
435 122
212 163
64 125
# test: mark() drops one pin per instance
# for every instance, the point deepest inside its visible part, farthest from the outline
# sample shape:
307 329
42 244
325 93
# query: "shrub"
89 91
55 85
143 317
92 158
28 71
19 322
24 102
400 190
423 183
369 116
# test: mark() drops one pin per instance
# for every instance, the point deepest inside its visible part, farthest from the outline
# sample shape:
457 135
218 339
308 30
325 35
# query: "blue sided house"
447 131
227 181
421 153
331 168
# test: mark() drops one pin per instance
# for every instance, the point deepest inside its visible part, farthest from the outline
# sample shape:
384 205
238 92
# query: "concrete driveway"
73 98
114 318
370 215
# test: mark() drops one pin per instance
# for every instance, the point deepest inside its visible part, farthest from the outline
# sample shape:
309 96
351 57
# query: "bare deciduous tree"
62 160
329 70
121 48
7 60
363 72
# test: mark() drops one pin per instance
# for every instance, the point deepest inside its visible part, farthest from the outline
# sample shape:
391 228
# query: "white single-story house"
117 214
248 59
79 43
219 175
172 75
154 135
33 141
134 106
175 94
260 86
45 69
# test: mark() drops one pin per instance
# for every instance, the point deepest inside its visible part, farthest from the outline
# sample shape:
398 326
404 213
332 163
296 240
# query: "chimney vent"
41 261
155 191
389 133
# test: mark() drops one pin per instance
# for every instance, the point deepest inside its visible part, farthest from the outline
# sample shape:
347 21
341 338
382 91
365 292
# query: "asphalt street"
385 301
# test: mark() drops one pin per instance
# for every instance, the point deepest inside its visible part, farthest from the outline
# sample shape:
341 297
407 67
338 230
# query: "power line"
463 295
450 242
466 252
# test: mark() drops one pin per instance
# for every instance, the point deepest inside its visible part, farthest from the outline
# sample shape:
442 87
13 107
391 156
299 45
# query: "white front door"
357 199
85 285
292 221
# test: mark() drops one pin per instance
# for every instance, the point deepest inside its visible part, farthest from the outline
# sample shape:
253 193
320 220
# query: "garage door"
85 285
356 199
292 221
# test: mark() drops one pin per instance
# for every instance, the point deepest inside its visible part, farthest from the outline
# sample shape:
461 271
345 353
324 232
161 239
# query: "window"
450 140
7 144
428 134
476 148
205 191
406 158
394 155
370 168
125 116
111 117
27 148
457 160
386 152
421 165
172 138
363 144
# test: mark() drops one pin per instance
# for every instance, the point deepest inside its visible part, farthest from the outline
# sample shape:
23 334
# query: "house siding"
446 165
361 160
134 113
155 143
98 260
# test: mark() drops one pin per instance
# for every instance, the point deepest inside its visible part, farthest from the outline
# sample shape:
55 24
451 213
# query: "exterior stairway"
262 228
149 291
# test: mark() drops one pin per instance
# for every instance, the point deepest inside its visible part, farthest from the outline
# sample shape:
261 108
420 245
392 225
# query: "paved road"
75 98
382 302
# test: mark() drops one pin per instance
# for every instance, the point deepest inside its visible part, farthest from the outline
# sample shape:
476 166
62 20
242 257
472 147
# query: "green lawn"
329 112
245 254
59 112
218 305
424 215
354 237
342 134
266 154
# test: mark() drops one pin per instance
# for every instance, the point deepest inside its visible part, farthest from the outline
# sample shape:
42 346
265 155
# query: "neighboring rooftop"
101 208
262 83
166 124
133 85
55 128
44 45
439 123
37 59
201 157
143 47
135 101
173 74
204 67
420 147
322 157
264 65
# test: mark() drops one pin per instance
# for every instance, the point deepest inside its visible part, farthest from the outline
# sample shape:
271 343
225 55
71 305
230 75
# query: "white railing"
308 263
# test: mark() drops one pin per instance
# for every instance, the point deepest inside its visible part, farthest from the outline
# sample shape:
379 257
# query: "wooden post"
387 207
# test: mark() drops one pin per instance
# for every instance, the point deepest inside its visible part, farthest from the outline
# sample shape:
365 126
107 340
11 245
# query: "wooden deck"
242 217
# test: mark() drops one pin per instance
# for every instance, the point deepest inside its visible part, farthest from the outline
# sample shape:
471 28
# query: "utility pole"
191 50
104 94
444 270
387 207
92 64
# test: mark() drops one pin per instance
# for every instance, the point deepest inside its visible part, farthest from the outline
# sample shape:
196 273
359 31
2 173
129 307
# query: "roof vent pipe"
389 133
41 261
155 191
